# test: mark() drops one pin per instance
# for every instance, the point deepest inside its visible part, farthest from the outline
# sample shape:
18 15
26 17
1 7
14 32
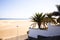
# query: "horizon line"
14 18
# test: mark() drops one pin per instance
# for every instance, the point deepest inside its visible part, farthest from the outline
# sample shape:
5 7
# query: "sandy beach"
12 28
21 37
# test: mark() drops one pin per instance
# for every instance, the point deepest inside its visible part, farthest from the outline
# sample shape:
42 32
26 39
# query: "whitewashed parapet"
53 30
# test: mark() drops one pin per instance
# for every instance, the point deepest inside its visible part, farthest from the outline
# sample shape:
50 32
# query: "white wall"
52 31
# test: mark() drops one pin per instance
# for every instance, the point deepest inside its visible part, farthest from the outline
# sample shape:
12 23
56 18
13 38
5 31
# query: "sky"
26 8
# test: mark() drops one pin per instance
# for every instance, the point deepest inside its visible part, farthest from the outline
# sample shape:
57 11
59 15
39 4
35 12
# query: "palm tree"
38 18
58 7
55 14
49 19
58 12
58 20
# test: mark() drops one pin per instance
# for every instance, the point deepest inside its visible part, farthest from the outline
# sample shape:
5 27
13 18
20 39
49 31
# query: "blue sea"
14 18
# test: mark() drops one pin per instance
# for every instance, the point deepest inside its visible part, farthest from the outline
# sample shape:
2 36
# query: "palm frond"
38 17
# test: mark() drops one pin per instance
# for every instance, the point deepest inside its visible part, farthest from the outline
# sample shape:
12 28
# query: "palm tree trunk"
39 24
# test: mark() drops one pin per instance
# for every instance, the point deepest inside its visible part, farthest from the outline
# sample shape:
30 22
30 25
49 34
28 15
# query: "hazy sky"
26 8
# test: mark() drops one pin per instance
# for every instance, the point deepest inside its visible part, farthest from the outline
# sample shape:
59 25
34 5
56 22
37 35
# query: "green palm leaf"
38 18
